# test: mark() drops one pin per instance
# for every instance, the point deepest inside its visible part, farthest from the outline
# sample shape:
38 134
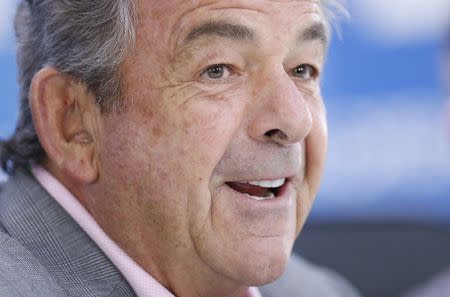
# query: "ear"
64 115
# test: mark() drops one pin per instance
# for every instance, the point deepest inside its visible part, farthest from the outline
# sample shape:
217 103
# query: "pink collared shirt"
142 283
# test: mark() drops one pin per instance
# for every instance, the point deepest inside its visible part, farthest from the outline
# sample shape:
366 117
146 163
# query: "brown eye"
305 72
216 71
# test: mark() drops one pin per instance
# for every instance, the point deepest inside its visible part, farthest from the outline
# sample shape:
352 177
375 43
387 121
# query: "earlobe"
63 114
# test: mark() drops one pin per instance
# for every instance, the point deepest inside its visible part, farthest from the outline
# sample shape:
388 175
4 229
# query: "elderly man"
164 148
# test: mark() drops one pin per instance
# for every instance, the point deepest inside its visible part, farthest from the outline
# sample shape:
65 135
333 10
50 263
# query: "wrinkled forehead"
173 17
194 3
169 8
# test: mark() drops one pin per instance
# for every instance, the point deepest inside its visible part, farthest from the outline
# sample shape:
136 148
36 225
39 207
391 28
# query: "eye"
305 71
217 71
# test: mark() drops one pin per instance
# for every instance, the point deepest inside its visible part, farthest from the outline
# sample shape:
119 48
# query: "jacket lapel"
40 224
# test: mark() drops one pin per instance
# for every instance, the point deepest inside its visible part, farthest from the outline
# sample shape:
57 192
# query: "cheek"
146 149
144 172
317 146
316 150
130 150
208 127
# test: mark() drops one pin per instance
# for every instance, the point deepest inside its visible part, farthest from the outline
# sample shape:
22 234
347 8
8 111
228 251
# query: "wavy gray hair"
85 40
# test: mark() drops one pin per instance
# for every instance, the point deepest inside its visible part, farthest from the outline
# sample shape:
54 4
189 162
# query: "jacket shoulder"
44 252
21 274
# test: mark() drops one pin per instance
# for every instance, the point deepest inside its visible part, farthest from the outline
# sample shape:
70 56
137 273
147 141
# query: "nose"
280 112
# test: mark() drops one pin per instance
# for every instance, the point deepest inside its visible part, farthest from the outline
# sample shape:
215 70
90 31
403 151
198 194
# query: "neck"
173 263
184 282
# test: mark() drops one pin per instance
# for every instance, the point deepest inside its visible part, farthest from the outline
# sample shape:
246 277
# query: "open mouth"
259 190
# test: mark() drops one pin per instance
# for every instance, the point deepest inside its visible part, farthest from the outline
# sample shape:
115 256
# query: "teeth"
271 196
268 183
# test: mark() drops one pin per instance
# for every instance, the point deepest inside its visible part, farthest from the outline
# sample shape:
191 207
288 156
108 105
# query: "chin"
264 263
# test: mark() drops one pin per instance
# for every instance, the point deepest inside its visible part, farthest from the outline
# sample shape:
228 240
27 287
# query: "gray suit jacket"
44 253
437 286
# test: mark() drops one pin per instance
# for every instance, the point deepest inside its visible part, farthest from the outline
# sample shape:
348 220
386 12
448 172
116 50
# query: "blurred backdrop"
386 90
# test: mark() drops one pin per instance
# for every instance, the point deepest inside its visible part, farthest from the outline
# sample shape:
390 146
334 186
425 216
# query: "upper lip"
287 177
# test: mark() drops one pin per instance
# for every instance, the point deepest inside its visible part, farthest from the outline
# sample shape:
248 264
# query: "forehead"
175 17
192 4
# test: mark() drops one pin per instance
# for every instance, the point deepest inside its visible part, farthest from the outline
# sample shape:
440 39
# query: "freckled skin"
163 162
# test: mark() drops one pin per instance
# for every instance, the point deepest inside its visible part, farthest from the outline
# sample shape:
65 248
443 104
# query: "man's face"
216 162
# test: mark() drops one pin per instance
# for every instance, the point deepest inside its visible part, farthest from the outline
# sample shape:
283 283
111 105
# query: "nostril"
271 132
276 133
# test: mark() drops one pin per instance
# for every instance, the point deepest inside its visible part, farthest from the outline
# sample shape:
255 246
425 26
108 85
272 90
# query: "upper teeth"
268 183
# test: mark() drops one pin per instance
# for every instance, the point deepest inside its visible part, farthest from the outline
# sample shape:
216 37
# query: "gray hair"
334 10
85 40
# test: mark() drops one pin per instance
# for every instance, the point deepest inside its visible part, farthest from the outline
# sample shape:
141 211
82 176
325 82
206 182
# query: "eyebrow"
317 31
221 29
